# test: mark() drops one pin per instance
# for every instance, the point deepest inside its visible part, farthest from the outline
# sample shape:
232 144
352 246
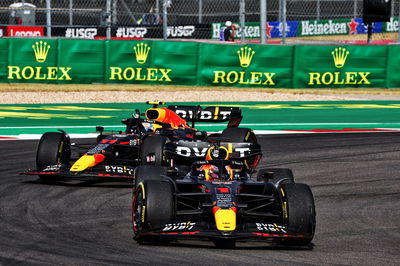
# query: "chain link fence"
286 20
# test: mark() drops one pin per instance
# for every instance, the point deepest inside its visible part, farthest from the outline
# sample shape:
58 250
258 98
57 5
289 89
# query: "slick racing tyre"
149 172
298 213
54 149
279 175
152 208
152 150
238 134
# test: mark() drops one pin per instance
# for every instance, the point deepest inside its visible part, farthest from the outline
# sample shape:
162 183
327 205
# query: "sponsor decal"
392 25
150 158
271 227
119 169
179 226
204 114
51 168
40 50
245 56
180 31
24 31
142 52
187 151
131 32
310 28
86 33
195 151
339 56
224 198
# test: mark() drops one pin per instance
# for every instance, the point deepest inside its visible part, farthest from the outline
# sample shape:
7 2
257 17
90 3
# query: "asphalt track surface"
354 177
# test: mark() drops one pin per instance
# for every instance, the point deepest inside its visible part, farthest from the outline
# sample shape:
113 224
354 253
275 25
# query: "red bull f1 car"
219 201
162 137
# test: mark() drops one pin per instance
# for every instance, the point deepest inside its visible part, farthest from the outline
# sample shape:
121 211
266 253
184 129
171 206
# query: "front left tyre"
54 149
152 208
298 213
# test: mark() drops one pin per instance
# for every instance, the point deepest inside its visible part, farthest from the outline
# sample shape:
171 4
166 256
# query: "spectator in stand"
151 18
229 31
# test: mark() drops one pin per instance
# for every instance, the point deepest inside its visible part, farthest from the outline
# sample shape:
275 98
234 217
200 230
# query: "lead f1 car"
217 200
162 137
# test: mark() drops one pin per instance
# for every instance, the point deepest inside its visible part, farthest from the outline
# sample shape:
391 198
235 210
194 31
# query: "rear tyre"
239 134
152 150
152 208
54 149
300 210
149 172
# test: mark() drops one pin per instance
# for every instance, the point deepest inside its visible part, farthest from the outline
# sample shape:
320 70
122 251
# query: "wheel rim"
137 208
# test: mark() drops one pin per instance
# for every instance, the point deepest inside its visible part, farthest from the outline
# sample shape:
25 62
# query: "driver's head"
217 153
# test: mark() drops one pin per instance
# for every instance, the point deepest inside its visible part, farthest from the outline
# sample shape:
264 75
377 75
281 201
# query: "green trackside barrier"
340 67
3 59
245 66
190 63
393 67
151 62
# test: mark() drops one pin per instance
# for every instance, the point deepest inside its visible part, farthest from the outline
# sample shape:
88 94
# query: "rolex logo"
142 51
41 50
245 56
339 56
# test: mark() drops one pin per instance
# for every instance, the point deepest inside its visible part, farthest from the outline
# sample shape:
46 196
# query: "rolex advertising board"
151 62
339 66
198 64
55 61
245 66
35 61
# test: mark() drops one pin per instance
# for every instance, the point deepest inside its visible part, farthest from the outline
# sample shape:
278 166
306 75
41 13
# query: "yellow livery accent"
86 161
225 220
216 113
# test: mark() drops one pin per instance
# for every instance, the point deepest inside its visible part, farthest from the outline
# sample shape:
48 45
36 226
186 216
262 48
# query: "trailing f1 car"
217 200
161 138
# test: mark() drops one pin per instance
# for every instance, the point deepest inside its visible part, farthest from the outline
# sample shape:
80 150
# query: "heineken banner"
198 64
306 28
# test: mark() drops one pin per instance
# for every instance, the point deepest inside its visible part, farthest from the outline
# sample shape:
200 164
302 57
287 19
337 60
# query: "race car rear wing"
209 114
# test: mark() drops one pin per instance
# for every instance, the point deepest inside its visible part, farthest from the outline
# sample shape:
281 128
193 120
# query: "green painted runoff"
18 119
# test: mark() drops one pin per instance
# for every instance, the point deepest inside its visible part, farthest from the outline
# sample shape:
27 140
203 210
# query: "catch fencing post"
283 16
108 19
48 17
242 20
164 20
263 20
